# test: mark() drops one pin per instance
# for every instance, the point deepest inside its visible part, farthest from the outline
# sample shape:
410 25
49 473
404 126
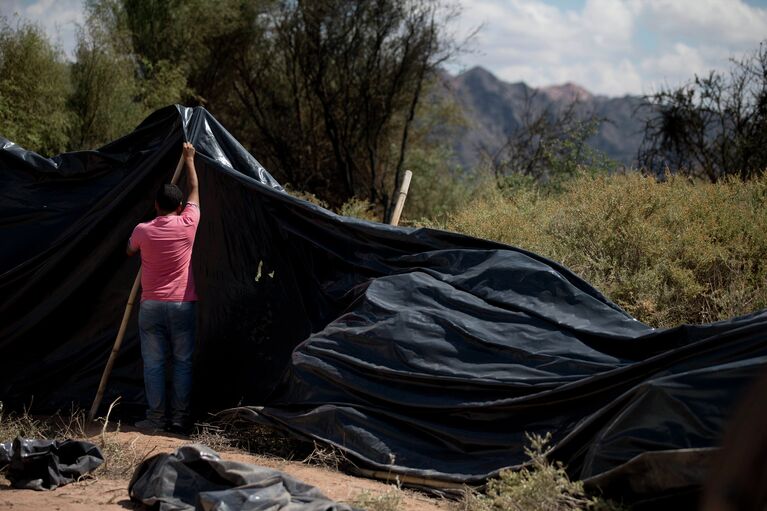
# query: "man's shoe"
148 425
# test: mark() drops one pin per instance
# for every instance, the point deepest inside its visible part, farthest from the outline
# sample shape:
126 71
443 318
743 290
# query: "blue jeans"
167 328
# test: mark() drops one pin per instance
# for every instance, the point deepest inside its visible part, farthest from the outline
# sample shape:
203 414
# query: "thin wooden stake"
401 198
124 325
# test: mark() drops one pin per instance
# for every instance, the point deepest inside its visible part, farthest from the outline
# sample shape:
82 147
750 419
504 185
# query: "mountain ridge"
494 109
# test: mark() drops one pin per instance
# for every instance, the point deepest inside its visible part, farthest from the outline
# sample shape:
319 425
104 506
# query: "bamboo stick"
401 198
124 324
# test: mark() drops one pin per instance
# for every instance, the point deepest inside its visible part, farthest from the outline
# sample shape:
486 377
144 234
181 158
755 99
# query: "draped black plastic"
195 478
36 464
417 351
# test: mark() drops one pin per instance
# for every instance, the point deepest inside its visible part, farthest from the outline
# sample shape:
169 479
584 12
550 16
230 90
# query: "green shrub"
668 252
541 485
360 209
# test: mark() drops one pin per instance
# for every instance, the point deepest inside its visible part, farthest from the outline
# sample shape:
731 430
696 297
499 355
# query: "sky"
610 47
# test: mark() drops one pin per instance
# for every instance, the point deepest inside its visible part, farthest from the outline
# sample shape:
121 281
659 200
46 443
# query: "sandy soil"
111 494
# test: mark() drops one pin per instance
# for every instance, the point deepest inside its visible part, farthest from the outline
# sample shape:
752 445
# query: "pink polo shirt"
166 255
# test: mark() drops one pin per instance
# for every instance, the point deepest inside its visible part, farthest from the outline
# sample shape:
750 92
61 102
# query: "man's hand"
191 174
188 151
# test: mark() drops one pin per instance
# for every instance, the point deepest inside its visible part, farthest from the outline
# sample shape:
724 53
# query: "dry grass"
668 252
213 436
360 209
326 456
265 441
22 424
230 433
389 500
120 458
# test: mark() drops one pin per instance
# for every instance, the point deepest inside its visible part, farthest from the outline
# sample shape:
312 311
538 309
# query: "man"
168 299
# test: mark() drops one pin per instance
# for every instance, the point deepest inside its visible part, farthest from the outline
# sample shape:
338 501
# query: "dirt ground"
112 494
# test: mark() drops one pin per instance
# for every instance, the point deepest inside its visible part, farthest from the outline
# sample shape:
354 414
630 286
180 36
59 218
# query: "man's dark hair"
169 197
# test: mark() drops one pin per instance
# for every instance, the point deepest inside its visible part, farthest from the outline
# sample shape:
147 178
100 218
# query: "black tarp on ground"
435 348
40 464
196 478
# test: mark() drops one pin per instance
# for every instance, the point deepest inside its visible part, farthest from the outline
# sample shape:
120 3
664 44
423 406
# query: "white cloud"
617 80
725 21
679 62
611 46
610 21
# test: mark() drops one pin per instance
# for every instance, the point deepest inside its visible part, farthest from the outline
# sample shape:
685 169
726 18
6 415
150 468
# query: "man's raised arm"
191 174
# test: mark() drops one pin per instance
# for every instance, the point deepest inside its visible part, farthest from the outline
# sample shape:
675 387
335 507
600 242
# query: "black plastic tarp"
40 464
196 478
416 351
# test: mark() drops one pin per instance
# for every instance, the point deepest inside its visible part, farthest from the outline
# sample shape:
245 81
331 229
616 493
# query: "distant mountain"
494 109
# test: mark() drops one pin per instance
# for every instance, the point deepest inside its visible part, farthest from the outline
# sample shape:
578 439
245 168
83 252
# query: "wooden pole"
401 198
124 325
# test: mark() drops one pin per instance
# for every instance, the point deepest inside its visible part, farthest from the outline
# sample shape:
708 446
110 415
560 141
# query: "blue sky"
610 47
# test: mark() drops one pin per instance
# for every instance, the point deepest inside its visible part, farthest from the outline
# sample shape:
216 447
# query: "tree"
330 90
440 185
113 89
324 92
103 98
714 126
550 145
34 84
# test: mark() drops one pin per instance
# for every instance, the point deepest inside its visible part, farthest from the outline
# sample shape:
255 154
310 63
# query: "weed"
69 425
325 456
213 436
389 500
13 424
541 485
360 209
307 196
233 433
120 458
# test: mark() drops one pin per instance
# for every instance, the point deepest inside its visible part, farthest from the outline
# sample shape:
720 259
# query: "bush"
540 485
712 126
439 186
360 209
668 252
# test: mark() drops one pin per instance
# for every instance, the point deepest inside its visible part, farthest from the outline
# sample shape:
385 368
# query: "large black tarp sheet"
195 478
40 464
416 351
